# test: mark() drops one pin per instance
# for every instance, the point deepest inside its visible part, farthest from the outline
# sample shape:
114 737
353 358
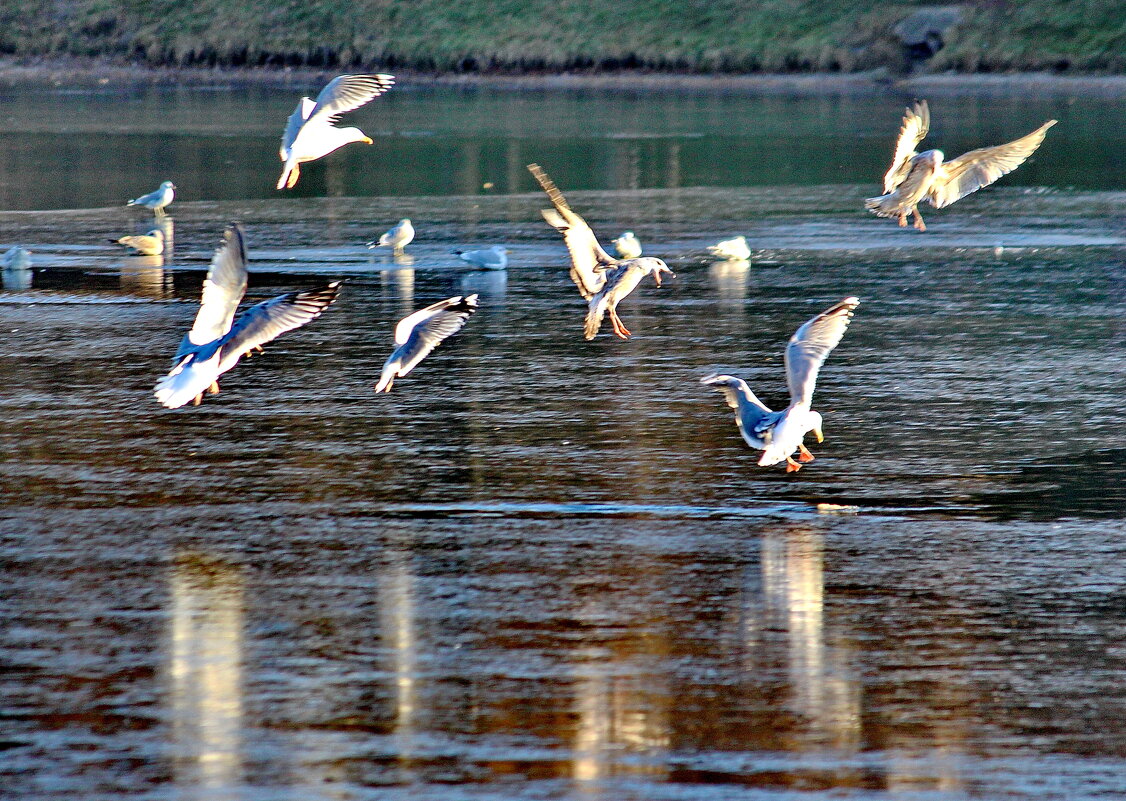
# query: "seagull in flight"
217 340
914 177
418 334
779 434
311 131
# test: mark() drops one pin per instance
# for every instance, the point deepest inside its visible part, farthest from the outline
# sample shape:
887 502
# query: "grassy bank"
538 35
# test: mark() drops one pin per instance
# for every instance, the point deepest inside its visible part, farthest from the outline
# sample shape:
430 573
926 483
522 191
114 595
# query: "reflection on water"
730 278
205 675
397 625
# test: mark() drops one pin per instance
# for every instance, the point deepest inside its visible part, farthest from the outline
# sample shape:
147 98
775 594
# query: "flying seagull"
157 199
150 244
419 333
397 238
627 245
494 258
731 248
311 131
915 177
216 340
602 280
779 434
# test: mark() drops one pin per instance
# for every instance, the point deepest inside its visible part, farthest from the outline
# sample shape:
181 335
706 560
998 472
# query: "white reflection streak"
730 278
397 612
592 735
401 279
206 677
823 691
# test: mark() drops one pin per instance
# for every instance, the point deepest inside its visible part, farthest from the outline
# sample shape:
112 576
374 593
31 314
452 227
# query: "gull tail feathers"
883 206
594 318
187 379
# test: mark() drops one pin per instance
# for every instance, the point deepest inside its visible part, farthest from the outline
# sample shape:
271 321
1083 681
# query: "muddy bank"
95 74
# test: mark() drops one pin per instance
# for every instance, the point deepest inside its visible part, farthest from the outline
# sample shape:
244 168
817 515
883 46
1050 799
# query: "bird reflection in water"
730 278
205 676
146 277
397 625
400 282
620 716
824 689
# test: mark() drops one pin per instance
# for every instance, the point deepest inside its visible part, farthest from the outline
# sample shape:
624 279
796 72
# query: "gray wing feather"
271 318
222 291
348 92
916 124
811 344
293 125
971 171
444 320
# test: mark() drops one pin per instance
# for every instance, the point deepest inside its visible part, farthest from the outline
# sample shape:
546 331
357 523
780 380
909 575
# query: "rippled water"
549 568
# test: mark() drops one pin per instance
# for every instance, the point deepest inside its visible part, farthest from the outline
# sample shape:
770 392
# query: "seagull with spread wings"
418 334
217 340
603 281
779 434
311 131
915 177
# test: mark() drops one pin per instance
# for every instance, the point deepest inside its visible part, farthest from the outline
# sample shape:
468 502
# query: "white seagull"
150 244
915 177
731 249
602 280
396 238
16 258
779 434
627 245
494 258
419 333
311 131
216 340
157 199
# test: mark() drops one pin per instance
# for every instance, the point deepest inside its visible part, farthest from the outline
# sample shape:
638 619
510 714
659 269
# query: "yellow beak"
820 436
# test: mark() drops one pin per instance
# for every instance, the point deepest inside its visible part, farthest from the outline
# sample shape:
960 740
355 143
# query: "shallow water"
548 568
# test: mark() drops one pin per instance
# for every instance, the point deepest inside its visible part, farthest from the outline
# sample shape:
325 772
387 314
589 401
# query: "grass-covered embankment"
552 35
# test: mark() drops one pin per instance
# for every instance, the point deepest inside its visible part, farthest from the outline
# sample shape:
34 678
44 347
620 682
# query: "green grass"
534 35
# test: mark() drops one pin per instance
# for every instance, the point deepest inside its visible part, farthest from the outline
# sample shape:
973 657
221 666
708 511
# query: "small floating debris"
837 509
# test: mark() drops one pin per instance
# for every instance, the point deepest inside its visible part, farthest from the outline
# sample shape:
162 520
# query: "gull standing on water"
731 249
419 333
150 244
16 258
495 258
311 131
627 245
779 434
915 177
157 199
214 345
602 280
397 238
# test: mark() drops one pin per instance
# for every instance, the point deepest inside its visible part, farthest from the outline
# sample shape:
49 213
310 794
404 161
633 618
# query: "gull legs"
213 390
918 219
803 454
619 327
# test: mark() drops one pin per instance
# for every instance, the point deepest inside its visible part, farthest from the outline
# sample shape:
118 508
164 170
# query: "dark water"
71 149
549 568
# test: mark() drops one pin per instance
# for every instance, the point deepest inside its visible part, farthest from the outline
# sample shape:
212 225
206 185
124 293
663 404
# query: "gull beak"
367 140
819 434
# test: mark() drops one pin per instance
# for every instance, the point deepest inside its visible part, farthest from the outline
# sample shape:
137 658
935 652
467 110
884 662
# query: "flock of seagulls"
218 340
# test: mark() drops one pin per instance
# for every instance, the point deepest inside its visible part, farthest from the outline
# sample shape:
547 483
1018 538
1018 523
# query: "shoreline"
96 74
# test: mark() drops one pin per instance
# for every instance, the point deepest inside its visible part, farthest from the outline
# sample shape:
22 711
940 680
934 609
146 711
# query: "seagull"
419 333
627 245
603 281
915 177
150 244
16 258
311 130
157 199
216 340
398 237
779 434
731 248
495 258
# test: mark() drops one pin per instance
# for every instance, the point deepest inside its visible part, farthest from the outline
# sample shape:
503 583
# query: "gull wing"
971 171
811 344
586 254
293 125
419 333
916 124
266 321
346 93
222 291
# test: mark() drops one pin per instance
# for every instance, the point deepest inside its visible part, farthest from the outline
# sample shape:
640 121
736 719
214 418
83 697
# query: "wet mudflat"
548 568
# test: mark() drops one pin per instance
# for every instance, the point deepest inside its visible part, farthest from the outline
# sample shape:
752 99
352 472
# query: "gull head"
814 421
167 185
656 267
